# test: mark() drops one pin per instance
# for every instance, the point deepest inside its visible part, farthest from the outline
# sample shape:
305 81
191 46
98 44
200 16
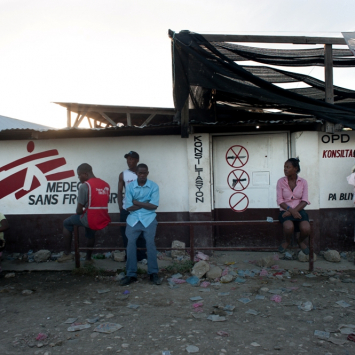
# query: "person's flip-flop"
281 249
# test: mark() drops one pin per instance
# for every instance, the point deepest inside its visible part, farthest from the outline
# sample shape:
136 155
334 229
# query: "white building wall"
304 145
165 156
336 158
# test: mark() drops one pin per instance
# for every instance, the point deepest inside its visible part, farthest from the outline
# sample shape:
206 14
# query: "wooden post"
68 117
328 80
129 121
185 120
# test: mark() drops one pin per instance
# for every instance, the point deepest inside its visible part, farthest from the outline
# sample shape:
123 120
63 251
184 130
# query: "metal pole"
76 247
192 241
311 261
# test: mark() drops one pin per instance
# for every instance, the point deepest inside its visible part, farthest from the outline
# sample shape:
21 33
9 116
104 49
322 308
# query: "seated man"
91 211
142 199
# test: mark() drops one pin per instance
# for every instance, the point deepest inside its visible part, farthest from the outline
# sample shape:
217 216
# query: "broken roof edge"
75 106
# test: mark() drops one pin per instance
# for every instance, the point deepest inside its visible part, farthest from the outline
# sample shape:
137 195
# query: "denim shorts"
75 220
304 217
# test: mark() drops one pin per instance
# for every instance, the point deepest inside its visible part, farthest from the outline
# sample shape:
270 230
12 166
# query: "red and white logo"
23 180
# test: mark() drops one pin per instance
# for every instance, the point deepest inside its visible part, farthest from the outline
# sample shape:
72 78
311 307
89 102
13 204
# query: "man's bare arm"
79 208
120 191
147 205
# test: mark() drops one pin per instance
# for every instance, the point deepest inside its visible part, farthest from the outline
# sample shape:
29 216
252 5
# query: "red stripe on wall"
60 176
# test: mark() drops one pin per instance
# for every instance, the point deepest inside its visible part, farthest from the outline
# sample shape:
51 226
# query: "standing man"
142 199
91 211
125 178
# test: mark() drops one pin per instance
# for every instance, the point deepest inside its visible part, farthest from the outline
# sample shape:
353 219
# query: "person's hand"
286 214
296 214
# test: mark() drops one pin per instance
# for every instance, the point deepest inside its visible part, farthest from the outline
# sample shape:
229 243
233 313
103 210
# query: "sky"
117 52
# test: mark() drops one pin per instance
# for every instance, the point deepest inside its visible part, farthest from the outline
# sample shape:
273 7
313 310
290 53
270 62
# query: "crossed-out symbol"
238 180
237 156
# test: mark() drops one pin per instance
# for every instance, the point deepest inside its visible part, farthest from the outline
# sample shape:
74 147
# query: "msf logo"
104 191
25 173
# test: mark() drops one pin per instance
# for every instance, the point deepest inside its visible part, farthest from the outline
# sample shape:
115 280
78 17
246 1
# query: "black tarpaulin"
210 78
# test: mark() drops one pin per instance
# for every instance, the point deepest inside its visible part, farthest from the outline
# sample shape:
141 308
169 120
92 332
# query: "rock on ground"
42 255
200 269
265 262
214 272
332 255
119 255
303 257
179 245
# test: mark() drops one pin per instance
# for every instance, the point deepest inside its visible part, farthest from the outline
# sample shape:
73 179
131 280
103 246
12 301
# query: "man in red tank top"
91 211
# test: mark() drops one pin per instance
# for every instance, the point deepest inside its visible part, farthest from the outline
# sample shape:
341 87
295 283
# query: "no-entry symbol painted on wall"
238 180
237 156
239 202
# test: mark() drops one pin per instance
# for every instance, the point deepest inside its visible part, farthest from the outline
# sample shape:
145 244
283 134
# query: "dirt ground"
166 321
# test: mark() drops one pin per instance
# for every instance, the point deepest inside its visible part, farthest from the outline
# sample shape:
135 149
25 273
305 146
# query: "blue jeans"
141 254
75 220
132 234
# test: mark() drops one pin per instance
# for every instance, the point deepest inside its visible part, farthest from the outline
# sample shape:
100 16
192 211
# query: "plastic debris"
252 311
239 280
263 272
276 298
222 333
75 328
205 284
41 336
229 263
244 300
197 305
202 256
27 292
321 334
176 276
288 256
269 219
125 292
178 281
92 320
133 306
275 291
193 280
70 320
225 271
254 344
9 275
351 337
347 328
197 298
343 304
228 307
199 315
192 349
166 352
205 290
259 297
103 291
216 318
107 327
306 306
223 293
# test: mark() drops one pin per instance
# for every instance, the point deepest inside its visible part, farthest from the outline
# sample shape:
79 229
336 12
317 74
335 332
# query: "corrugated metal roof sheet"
7 123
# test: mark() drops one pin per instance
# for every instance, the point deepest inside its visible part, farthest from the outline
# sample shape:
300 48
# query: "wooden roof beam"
274 39
147 120
108 119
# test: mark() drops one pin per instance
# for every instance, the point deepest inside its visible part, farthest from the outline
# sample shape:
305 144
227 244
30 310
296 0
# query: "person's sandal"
282 250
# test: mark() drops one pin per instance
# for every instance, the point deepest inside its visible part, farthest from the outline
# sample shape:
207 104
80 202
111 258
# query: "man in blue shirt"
142 199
